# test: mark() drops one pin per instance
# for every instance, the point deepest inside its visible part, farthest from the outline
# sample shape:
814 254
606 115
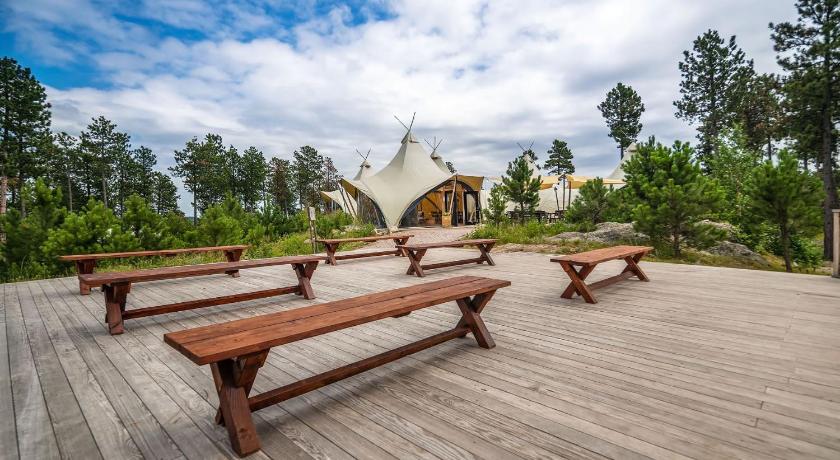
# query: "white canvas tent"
618 172
408 177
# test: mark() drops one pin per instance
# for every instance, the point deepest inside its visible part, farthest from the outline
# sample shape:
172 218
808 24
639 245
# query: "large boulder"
738 250
606 233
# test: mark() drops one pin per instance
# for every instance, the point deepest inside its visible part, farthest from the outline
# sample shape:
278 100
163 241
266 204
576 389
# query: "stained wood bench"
331 246
236 350
415 253
117 285
587 261
85 263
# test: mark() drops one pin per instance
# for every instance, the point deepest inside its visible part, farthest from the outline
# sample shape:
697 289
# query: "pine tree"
732 167
253 171
787 197
164 194
308 169
760 114
496 205
672 196
105 148
143 222
559 161
279 184
810 51
202 168
592 204
520 187
24 129
714 75
25 235
143 180
622 110
64 166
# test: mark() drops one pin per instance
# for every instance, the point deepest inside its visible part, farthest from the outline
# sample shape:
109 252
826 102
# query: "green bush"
94 229
592 205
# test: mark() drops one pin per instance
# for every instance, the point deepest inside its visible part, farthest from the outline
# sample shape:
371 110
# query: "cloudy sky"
481 75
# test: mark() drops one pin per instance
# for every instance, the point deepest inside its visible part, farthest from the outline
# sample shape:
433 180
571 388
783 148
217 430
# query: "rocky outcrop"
726 228
738 250
606 233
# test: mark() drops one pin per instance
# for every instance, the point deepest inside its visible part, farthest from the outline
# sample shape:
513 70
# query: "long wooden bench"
415 253
85 263
236 350
331 246
117 285
587 261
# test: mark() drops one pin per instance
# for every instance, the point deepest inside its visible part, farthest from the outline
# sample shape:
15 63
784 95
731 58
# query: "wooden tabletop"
150 274
213 343
446 244
596 256
365 238
161 252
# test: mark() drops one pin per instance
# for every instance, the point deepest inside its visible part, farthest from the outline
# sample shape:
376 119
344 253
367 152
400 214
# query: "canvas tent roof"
411 174
618 172
342 199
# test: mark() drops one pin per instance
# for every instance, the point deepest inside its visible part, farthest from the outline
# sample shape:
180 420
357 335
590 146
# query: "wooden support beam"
201 303
835 267
269 398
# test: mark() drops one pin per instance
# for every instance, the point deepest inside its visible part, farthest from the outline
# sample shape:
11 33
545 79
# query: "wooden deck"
699 363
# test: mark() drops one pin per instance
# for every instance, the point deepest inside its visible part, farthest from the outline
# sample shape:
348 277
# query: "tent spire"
408 136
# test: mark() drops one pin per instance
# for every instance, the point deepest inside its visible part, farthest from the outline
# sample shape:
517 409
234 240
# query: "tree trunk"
676 244
104 190
830 188
786 247
70 193
22 198
4 187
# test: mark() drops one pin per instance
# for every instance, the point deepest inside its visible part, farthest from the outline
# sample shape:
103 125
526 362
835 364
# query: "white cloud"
481 75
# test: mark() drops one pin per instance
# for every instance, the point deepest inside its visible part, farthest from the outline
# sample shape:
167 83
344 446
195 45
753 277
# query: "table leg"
400 242
233 255
331 249
578 285
414 260
304 275
633 266
115 298
236 412
485 253
85 267
471 316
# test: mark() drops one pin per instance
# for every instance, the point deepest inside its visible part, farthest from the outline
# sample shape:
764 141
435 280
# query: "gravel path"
427 235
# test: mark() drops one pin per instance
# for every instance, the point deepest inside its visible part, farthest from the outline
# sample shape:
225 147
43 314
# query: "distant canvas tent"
414 188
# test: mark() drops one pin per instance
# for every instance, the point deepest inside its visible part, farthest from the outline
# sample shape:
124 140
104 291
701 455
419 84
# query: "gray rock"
727 228
730 249
606 233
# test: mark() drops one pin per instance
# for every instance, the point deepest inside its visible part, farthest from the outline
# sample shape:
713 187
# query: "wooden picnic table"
236 350
415 253
587 261
331 246
117 285
85 263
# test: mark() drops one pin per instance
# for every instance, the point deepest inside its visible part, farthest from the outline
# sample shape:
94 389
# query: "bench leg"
331 249
633 266
414 258
233 255
235 409
400 242
304 274
115 297
578 285
471 317
485 253
246 369
85 267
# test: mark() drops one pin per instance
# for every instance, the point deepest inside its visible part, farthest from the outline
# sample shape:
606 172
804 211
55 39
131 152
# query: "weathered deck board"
699 363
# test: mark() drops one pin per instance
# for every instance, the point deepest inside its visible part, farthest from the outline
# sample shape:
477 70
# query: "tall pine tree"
714 75
24 130
622 110
253 171
559 162
105 148
810 50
